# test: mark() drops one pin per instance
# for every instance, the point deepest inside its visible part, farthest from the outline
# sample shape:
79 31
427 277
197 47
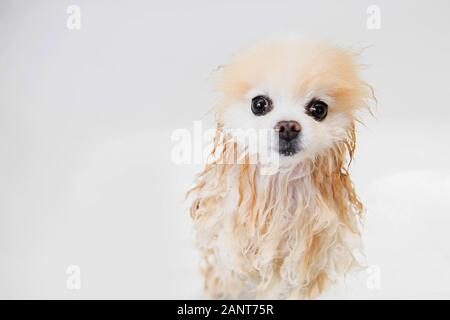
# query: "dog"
294 232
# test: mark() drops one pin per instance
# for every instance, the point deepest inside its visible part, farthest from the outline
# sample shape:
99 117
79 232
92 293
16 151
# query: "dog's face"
305 95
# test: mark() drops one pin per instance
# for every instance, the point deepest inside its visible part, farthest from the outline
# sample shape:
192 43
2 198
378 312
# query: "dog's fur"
292 233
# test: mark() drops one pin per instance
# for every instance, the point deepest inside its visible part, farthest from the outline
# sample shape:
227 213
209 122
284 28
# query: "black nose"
288 130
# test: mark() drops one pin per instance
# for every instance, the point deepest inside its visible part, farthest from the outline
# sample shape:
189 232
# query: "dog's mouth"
288 148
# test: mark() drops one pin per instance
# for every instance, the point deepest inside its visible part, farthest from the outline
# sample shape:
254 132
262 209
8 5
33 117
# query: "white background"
86 118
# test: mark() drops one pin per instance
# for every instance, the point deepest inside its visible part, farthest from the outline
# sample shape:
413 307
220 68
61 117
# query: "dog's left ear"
352 93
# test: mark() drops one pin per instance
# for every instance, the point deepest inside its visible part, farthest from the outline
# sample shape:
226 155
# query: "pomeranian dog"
290 232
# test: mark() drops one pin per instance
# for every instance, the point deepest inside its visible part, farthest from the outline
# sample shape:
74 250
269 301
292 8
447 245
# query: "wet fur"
291 234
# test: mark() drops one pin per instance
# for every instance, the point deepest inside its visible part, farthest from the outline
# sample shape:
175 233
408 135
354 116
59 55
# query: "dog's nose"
288 130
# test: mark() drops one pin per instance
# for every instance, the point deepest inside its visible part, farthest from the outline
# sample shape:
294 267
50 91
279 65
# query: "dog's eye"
261 105
317 109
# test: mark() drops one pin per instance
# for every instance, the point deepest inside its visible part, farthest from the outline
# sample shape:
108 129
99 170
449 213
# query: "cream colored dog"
290 233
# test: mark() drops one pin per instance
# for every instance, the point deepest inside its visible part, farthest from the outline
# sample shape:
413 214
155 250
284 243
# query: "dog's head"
305 94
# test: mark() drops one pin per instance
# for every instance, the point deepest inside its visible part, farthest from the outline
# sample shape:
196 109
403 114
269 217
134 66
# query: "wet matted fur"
292 233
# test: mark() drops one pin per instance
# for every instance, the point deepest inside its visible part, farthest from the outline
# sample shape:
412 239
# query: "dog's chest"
256 220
